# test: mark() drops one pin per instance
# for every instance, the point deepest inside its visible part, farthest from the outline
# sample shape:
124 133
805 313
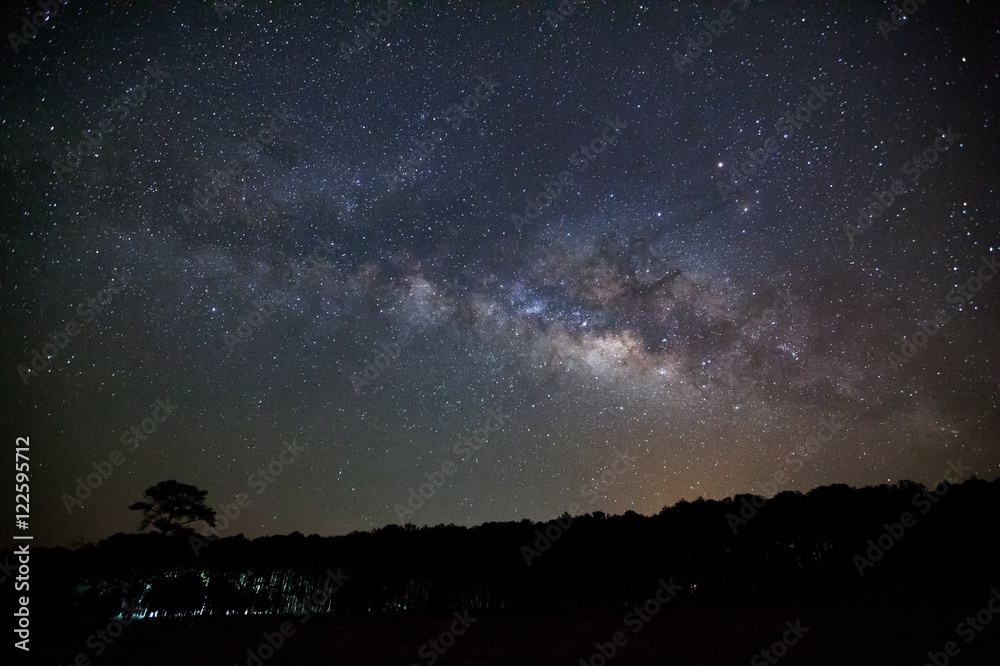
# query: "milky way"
627 242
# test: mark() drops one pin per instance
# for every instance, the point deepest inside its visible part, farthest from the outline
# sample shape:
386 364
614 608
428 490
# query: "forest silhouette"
794 548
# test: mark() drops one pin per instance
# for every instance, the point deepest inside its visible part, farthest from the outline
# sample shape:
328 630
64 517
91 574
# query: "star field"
287 211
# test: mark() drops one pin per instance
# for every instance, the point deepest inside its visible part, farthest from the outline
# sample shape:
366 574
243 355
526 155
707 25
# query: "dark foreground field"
837 562
848 635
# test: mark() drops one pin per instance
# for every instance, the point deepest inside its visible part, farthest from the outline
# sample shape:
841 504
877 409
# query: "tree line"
792 547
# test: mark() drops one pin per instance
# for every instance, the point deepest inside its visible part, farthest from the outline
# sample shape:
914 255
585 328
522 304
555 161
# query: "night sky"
295 236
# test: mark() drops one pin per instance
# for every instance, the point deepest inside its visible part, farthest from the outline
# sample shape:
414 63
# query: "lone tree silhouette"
171 506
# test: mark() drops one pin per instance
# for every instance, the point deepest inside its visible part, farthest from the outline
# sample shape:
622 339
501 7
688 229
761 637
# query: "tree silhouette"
171 506
809 550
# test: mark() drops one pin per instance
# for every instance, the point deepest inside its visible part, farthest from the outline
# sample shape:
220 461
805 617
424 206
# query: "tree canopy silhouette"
171 506
810 549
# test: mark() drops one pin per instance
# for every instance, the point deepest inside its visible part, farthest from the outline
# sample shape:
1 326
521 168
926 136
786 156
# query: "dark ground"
849 634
